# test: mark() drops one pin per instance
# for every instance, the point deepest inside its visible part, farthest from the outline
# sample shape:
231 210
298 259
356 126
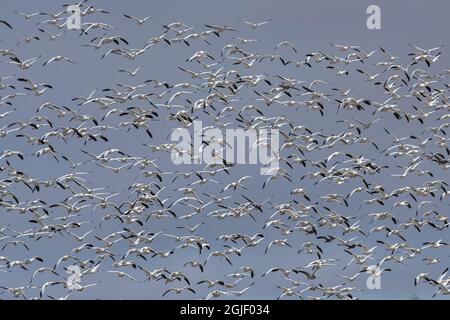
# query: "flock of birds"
353 199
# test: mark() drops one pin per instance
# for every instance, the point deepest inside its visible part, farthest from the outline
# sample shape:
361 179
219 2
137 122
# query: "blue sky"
310 26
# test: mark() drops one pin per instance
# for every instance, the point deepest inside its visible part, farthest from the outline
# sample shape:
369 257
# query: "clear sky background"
310 26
